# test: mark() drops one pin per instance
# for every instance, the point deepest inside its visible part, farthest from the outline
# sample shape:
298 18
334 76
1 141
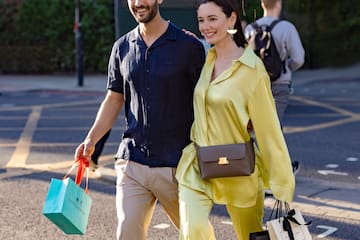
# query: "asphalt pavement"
312 196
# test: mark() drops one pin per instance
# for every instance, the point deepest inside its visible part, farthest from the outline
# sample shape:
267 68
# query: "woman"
233 88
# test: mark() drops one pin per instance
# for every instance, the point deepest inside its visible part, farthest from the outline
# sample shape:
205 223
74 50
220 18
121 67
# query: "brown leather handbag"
227 160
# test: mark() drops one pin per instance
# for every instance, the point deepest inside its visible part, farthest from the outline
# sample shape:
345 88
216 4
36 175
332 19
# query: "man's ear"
262 5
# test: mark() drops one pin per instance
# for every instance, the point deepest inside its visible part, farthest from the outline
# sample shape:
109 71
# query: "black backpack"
264 47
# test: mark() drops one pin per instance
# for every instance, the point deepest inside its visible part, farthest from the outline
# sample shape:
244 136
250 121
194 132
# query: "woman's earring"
232 32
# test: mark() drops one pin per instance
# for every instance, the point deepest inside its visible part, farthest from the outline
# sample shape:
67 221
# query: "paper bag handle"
83 164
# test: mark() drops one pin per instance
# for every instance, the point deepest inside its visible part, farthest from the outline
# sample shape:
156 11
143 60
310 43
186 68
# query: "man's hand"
84 150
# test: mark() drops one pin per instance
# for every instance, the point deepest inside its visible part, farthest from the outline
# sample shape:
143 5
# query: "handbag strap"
83 168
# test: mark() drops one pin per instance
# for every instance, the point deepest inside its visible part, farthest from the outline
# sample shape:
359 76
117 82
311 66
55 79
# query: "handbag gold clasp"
223 161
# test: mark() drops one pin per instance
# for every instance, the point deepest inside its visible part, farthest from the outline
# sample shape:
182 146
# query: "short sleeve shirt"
157 83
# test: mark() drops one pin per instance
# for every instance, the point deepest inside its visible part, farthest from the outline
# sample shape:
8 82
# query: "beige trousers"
138 188
195 208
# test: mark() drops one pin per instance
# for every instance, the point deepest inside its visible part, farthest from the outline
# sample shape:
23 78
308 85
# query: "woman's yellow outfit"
222 110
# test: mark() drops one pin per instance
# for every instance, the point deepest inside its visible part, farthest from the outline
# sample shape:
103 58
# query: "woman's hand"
190 33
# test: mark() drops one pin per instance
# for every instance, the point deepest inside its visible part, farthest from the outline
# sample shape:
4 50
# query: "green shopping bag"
67 205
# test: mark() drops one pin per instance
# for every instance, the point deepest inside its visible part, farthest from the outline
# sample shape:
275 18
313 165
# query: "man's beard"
153 10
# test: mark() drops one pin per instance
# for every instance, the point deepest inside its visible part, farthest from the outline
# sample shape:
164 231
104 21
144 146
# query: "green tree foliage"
47 26
251 10
99 33
329 29
38 36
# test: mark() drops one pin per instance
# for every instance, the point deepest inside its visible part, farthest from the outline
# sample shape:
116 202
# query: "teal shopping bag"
67 205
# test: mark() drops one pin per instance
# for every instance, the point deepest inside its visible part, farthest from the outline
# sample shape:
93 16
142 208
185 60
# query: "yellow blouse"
222 109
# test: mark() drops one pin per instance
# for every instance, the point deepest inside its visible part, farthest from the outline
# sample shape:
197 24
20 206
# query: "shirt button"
147 70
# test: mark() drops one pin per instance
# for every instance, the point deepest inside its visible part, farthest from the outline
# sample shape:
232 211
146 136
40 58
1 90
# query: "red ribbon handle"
83 164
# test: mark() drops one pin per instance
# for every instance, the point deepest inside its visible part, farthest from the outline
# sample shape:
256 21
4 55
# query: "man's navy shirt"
157 83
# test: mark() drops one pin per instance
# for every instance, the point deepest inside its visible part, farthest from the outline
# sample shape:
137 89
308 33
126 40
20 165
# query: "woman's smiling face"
213 22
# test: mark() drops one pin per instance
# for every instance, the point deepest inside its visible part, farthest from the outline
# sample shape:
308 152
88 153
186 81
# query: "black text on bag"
264 46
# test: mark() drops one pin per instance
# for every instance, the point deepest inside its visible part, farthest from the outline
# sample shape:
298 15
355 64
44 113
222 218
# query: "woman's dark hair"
229 6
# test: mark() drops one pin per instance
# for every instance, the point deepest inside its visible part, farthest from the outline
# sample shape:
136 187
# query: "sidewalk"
10 83
98 82
313 197
306 76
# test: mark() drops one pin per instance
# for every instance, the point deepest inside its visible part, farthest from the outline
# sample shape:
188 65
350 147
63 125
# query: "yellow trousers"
195 208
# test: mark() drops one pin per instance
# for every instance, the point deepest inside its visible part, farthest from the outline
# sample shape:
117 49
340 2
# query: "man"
290 49
152 71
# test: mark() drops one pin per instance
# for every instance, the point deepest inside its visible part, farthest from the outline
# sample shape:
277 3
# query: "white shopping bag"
299 229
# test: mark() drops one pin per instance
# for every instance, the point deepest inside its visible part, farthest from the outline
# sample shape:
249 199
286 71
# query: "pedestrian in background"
233 89
291 51
99 147
152 71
